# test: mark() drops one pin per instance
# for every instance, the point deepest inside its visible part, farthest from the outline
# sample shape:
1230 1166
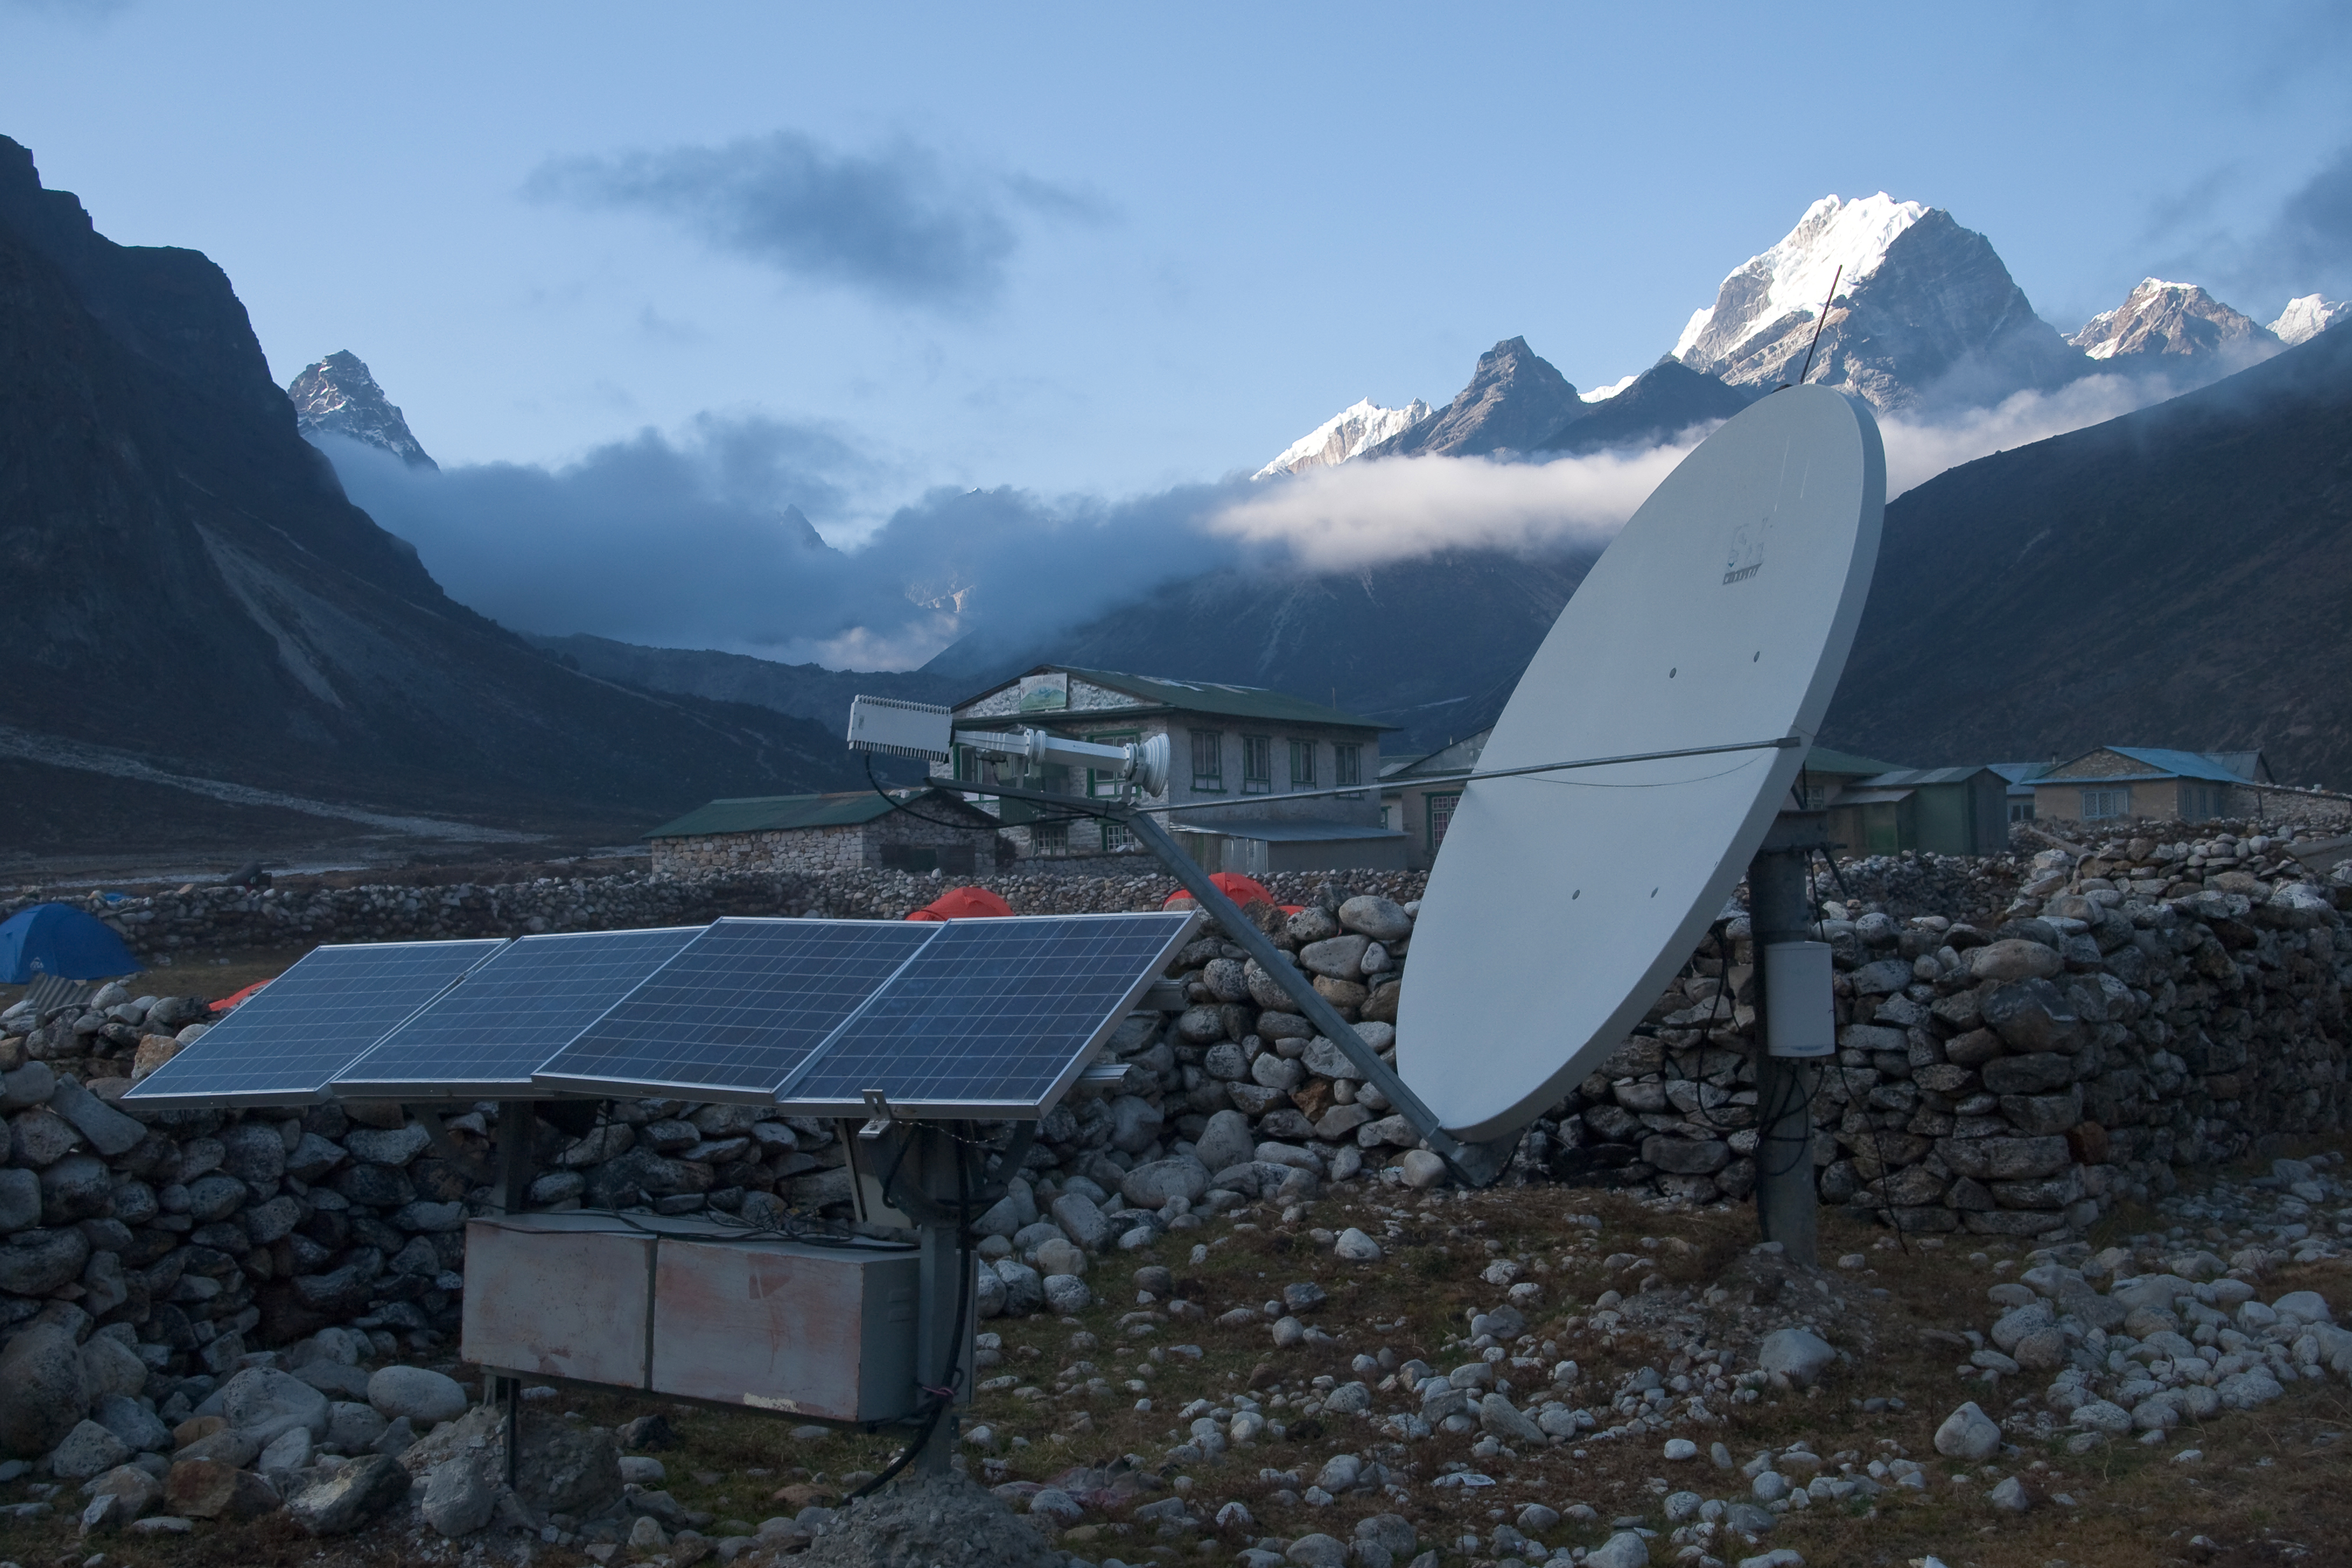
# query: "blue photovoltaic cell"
996 1015
485 1036
286 1043
738 1009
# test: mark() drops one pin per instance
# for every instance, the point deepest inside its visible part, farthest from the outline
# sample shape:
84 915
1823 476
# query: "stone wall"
2074 1032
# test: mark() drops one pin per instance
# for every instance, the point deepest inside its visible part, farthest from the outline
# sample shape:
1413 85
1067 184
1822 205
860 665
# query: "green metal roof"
1822 760
1194 695
767 813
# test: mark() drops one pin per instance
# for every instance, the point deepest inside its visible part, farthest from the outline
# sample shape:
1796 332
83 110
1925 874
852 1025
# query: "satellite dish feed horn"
1564 902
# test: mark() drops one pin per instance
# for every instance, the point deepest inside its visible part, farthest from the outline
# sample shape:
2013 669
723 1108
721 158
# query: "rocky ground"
1518 1376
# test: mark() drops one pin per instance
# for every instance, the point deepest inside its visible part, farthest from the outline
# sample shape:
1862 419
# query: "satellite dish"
1564 901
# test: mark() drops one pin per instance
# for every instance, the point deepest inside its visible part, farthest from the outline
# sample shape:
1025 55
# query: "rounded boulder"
424 1396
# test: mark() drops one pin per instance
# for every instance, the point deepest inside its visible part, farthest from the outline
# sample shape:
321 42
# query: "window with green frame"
1101 782
1208 762
1302 764
1257 764
1347 763
1440 808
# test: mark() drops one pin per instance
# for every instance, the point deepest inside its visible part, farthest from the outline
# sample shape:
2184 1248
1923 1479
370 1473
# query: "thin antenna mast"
1818 325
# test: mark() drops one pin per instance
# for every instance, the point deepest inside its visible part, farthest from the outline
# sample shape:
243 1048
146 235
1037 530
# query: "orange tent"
963 904
226 1002
1242 890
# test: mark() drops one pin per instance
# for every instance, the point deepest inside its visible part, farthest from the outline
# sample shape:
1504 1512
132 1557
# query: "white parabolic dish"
1562 904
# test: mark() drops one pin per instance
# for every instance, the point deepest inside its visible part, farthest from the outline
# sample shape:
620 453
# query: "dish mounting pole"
1780 910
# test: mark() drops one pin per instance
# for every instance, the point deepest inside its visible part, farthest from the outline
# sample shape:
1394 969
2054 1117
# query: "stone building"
810 834
1237 754
2118 783
1418 794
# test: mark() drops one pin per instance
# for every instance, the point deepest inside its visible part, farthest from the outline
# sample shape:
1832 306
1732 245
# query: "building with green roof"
918 830
1254 771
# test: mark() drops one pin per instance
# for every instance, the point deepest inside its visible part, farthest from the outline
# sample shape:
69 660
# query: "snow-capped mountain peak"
2305 319
1359 425
1836 239
2174 319
338 396
1603 394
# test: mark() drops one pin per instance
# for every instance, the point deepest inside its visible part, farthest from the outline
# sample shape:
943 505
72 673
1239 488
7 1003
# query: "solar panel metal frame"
353 1082
574 1080
258 1012
808 1092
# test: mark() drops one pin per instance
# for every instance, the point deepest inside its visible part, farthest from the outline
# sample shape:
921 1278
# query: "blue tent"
57 938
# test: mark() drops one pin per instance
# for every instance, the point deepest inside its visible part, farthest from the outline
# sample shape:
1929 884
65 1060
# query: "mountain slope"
338 396
1925 312
811 692
2175 577
1514 400
1664 401
187 578
1359 425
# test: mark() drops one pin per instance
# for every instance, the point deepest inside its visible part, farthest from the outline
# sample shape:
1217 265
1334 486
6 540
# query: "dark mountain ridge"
2174 577
186 579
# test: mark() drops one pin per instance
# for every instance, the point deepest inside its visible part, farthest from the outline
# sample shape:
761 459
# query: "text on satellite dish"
1745 557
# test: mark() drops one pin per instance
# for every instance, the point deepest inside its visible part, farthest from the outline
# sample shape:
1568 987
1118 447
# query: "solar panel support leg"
1788 1203
934 1180
1475 1164
517 1121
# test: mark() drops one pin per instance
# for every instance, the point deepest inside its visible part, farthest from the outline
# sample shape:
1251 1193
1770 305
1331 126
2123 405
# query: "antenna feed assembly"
902 729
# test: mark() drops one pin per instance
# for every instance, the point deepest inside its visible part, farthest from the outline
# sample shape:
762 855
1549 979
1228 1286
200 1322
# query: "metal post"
933 1187
517 1121
1788 1201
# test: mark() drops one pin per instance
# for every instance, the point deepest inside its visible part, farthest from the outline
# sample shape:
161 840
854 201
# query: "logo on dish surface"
1744 553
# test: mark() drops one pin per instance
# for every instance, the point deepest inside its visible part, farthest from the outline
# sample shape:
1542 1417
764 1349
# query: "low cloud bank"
700 539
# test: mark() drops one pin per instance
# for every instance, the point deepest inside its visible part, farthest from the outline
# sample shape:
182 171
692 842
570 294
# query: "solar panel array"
739 1010
984 1017
483 1039
285 1044
992 1017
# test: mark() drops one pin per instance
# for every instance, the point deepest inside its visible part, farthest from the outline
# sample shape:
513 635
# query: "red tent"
963 904
226 1002
1242 890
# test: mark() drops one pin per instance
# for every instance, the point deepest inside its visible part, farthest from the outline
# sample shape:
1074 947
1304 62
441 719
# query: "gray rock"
77 1187
1496 1414
1226 1140
1324 1059
1382 919
1968 1434
1355 1247
105 1129
2304 1307
1081 1220
20 1200
1317 1551
352 1427
426 1397
1227 980
1802 1355
1339 957
27 1085
1066 1294
1686 1156
253 1153
214 1197
1151 1185
2037 1072
459 1498
341 1502
38 1137
1623 1549
2014 959
1058 1254
286 1453
111 1367
1135 1124
41 1393
132 1490
261 1402
140 1430
314 1157
380 1146
87 1450
1311 924
2102 1415
1024 1291
2011 1496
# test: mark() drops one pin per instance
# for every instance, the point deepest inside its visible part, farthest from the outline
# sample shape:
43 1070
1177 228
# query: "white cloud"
1916 452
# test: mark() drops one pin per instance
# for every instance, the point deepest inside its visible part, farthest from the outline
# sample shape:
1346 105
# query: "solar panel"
995 1018
481 1039
738 1010
285 1045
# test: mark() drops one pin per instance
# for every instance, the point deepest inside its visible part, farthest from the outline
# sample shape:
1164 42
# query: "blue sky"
1102 251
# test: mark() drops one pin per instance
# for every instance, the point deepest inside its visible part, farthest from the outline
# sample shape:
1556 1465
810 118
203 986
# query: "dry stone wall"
2074 1031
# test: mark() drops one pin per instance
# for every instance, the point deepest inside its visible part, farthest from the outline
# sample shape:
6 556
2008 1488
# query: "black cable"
1078 814
939 1402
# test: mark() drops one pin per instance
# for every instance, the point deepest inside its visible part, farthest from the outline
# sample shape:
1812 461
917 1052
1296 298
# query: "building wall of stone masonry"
2074 1032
